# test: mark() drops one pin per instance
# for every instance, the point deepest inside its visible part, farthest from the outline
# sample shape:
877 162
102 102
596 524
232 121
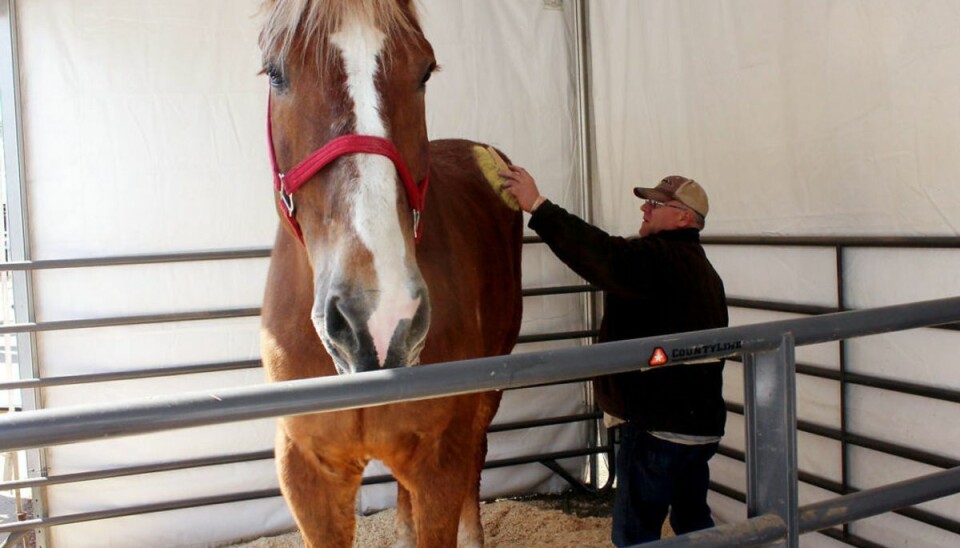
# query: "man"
656 284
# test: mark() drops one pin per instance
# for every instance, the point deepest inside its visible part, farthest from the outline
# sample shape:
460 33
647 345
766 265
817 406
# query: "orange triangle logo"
659 357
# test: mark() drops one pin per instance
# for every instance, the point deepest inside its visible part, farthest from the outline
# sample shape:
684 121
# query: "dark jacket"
655 285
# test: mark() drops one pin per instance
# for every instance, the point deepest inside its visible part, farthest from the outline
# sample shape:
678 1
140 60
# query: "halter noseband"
286 183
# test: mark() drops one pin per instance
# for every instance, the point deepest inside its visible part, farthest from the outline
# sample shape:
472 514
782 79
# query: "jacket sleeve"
612 263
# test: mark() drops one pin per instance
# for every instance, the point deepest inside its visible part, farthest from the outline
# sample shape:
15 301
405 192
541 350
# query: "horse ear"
410 7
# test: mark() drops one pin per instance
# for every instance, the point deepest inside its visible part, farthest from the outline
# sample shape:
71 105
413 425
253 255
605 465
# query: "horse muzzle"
366 330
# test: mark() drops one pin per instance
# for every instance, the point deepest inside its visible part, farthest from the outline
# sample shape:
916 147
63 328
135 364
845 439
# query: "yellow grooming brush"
491 164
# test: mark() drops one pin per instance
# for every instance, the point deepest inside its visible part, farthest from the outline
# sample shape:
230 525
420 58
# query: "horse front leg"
470 534
436 497
406 536
437 464
433 477
470 531
321 494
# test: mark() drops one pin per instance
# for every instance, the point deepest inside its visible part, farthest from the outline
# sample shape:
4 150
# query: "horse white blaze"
374 200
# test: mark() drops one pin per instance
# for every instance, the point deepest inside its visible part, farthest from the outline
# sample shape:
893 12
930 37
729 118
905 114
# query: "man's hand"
519 183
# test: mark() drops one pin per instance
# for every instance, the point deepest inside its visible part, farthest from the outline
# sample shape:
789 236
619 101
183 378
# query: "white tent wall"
144 133
804 118
814 117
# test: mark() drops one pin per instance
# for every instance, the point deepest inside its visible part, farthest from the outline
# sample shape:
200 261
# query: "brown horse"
372 268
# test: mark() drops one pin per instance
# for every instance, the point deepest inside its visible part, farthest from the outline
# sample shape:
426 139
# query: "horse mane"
320 18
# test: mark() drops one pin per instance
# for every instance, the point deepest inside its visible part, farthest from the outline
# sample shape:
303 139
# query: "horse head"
349 148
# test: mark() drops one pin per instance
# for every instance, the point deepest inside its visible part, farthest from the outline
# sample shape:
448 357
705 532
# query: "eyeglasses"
654 204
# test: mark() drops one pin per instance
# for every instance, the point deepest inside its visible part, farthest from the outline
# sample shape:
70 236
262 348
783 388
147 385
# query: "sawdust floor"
569 520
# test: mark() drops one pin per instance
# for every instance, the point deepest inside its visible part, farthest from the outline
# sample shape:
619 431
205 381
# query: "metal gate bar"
878 500
770 392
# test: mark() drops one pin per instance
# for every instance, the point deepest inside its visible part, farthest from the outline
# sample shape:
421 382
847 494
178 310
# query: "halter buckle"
287 199
416 223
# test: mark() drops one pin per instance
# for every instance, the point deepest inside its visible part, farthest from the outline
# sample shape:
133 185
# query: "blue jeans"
654 476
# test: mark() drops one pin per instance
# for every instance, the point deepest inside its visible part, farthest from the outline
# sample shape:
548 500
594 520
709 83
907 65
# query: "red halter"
287 183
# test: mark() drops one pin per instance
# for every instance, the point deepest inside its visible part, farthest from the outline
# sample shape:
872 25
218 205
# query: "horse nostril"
337 325
420 323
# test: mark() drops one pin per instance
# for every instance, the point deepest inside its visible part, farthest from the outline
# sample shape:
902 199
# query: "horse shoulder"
471 252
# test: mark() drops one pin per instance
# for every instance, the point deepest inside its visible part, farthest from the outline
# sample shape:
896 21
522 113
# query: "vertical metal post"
585 155
770 415
585 170
18 236
15 187
844 441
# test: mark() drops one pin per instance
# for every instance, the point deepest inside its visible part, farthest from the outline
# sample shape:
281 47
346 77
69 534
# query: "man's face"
658 216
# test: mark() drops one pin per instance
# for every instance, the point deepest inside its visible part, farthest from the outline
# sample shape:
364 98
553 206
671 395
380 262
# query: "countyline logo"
704 349
659 355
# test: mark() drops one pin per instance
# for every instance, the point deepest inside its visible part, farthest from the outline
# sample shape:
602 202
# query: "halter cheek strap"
286 183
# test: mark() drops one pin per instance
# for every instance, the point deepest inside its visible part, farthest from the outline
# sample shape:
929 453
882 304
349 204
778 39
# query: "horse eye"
426 76
276 76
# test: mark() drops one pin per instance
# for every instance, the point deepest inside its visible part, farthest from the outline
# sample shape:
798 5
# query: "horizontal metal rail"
777 306
138 509
850 538
124 260
922 242
866 442
741 497
143 319
559 290
561 336
151 468
728 492
805 477
138 470
31 429
929 518
795 308
917 514
902 387
193 369
945 242
116 321
860 379
878 500
752 532
828 513
181 504
513 461
549 421
133 374
919 242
